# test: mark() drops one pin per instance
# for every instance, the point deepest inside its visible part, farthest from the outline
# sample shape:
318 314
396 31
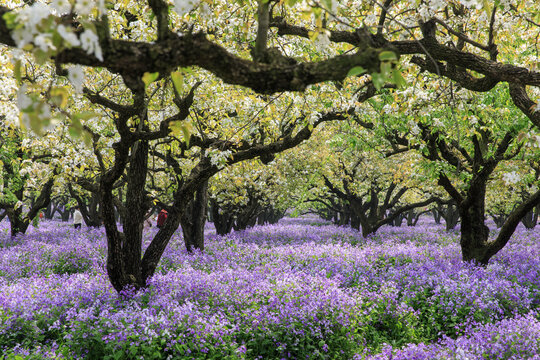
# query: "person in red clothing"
162 216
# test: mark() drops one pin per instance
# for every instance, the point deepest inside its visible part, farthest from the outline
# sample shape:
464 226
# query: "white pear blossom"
22 37
69 37
44 42
76 77
219 158
23 101
90 43
85 7
61 6
438 123
415 130
322 41
32 16
101 7
17 54
511 178
182 7
314 117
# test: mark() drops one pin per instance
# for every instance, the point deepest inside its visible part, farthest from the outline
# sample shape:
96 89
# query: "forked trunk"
124 248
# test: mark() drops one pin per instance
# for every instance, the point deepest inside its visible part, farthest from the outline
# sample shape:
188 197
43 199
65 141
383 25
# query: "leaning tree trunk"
530 219
436 216
49 211
194 219
17 225
499 219
19 222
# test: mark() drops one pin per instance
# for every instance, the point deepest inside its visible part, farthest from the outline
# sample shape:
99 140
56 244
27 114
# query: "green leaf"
59 96
17 71
387 56
41 56
10 19
35 123
178 81
149 78
328 4
487 7
378 80
85 115
398 79
292 2
385 68
181 127
357 70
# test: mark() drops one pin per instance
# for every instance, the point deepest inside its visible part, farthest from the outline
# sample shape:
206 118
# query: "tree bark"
194 219
223 220
530 219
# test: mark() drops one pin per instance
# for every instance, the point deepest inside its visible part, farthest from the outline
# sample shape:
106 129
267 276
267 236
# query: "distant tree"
21 169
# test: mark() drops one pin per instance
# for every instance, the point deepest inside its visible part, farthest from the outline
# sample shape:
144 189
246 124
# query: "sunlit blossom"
76 77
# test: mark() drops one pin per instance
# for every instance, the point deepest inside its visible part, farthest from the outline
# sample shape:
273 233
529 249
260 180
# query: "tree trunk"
344 218
499 219
474 235
223 220
247 216
90 212
19 222
49 211
194 219
125 249
451 216
397 221
16 222
412 218
530 219
436 216
355 222
65 214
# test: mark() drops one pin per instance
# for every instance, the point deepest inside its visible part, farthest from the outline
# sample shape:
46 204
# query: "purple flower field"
300 289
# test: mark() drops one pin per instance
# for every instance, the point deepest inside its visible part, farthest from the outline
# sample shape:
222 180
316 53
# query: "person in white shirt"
77 218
